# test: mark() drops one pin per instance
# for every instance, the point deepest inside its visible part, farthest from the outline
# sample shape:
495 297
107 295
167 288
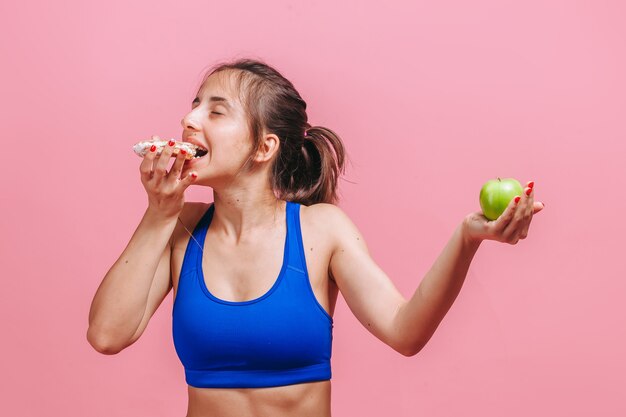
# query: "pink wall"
431 99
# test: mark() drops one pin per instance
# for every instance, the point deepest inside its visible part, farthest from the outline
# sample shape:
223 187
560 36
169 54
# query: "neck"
239 214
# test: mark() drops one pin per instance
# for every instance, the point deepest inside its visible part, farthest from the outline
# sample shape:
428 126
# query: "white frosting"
141 148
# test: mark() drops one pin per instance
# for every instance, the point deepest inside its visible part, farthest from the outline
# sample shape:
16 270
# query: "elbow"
410 352
102 344
409 347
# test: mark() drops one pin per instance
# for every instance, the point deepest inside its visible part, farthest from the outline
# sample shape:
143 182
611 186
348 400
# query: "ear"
268 148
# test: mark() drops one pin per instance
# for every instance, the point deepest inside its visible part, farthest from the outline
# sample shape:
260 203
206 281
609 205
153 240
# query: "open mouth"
200 152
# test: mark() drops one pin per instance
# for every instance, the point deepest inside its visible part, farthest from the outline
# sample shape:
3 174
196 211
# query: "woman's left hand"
510 227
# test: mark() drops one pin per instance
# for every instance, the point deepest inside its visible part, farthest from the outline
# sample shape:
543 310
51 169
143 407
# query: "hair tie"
306 133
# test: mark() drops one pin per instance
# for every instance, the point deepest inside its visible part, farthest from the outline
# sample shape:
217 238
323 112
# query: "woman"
255 284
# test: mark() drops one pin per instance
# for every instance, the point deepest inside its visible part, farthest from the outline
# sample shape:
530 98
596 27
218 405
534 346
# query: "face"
217 122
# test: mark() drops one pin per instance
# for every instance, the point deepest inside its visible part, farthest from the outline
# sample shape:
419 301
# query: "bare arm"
404 325
119 305
418 318
421 315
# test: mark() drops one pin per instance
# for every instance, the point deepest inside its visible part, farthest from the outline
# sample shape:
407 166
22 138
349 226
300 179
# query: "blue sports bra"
283 337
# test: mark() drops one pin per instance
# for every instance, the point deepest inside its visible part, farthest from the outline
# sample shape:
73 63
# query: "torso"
228 277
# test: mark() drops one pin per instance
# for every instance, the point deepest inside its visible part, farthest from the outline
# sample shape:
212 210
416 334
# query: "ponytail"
314 175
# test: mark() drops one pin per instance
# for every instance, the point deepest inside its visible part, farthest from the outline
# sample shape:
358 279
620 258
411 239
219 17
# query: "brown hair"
310 158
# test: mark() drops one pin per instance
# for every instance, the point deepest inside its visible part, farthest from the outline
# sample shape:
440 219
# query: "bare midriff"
311 399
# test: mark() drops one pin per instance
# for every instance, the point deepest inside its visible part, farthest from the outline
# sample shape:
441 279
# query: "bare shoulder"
322 211
330 220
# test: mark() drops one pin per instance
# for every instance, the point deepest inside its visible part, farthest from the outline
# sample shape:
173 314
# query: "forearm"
421 315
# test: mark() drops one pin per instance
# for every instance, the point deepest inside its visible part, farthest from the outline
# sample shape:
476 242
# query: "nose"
189 123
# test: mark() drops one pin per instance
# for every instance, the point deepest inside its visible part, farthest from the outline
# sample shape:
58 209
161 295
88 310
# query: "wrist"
469 238
154 216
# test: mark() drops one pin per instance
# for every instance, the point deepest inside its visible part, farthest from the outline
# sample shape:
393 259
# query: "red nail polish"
171 143
531 184
528 191
194 175
152 148
184 152
517 199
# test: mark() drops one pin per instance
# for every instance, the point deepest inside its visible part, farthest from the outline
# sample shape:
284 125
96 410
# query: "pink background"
431 98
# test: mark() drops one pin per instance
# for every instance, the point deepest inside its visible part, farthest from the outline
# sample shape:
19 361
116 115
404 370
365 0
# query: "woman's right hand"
166 191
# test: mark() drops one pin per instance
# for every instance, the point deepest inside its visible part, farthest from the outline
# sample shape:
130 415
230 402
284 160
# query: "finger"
160 170
528 210
529 194
145 168
188 180
537 207
505 224
177 167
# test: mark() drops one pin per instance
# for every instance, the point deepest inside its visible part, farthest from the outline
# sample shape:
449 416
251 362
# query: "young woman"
256 282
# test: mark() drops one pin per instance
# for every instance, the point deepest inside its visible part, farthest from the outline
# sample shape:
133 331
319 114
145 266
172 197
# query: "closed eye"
214 112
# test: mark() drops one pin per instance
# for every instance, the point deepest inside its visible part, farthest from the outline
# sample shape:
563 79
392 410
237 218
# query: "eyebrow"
214 99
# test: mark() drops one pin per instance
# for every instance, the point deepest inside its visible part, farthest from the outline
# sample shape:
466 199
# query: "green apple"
496 195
